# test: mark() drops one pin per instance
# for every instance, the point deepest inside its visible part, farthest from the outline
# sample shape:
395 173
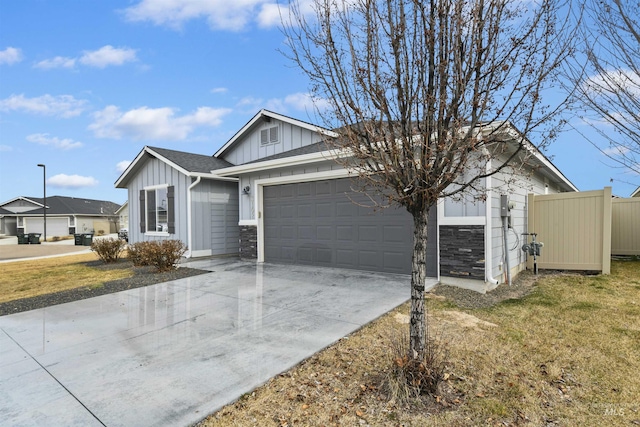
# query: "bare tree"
420 91
606 78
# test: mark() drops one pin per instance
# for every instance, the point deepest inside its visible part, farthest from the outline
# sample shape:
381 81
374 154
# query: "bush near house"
163 255
108 250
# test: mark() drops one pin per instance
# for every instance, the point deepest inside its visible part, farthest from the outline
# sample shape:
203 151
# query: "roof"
636 193
268 115
307 149
122 207
192 162
189 164
62 205
322 151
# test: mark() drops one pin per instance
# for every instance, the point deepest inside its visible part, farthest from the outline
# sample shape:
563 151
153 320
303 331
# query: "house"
177 195
123 215
636 193
65 216
295 204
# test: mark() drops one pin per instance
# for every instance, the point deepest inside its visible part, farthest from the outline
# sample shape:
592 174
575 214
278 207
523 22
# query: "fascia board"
22 198
277 163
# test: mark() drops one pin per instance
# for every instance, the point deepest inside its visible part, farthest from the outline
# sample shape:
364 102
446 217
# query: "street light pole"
44 186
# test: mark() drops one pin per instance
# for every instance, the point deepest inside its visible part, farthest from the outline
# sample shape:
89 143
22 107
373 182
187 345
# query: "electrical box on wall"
505 208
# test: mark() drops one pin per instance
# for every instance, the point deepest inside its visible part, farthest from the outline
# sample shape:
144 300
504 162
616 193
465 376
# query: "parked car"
124 234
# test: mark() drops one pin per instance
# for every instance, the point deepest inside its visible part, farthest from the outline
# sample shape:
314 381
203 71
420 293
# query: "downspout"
189 238
488 256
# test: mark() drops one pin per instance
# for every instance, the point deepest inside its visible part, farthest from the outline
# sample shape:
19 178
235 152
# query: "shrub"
108 250
163 255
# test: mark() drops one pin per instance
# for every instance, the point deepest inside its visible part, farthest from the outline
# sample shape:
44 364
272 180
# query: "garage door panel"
346 209
318 224
325 232
305 210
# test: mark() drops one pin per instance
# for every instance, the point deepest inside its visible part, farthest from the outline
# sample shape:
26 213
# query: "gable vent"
269 135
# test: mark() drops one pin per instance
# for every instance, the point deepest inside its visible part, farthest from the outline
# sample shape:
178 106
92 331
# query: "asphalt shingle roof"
192 162
61 205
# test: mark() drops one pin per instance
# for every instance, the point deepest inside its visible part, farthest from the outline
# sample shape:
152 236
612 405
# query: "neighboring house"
123 215
65 216
636 193
296 205
175 195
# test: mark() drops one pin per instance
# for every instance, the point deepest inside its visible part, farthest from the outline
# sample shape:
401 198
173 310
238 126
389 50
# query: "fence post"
606 231
530 223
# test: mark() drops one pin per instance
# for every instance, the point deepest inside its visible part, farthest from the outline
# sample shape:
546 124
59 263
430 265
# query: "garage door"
320 223
55 226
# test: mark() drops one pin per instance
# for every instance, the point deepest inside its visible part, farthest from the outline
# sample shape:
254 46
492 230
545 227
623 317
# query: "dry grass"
567 354
24 279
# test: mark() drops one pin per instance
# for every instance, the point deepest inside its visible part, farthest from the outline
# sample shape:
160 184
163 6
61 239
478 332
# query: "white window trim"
146 199
458 220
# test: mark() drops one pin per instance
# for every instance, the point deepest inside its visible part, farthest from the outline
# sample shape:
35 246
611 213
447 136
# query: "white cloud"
613 81
45 139
219 90
619 150
146 123
10 55
108 55
6 148
220 14
72 181
57 62
123 165
269 15
60 106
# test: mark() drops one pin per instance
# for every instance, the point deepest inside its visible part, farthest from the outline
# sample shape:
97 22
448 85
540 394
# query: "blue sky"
85 85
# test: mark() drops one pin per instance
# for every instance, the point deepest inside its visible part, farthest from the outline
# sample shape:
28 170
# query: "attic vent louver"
269 135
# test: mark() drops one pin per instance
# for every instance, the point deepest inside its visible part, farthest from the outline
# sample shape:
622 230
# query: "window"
20 222
72 221
464 207
157 210
269 135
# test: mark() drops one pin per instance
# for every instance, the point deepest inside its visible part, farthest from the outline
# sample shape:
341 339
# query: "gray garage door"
318 223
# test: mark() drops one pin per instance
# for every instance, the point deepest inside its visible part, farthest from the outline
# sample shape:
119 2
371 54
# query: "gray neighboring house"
65 216
295 204
636 193
176 195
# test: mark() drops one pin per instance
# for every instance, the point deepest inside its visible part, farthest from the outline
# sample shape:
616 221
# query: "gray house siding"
214 216
249 149
517 193
156 172
214 210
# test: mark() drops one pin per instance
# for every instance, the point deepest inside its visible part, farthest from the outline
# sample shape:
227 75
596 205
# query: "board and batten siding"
156 172
575 229
625 226
290 137
215 217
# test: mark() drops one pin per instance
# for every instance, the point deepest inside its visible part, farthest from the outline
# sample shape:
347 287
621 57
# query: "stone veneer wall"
462 251
248 242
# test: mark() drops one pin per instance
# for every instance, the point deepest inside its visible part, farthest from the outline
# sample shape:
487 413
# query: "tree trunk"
418 323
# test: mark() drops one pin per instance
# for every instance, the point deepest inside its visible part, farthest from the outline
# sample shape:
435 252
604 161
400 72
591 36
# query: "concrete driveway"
170 354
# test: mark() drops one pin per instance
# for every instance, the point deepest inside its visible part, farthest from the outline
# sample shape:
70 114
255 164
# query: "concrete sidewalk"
172 353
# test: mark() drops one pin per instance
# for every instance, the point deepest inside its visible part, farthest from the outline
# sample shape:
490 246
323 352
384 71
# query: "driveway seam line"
54 378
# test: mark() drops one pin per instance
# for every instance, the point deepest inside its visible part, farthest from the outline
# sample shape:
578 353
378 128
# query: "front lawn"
566 354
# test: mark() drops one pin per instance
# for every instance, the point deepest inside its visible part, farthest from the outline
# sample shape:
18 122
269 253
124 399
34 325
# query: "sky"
85 85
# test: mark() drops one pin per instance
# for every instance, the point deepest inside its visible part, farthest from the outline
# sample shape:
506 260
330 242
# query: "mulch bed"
143 276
